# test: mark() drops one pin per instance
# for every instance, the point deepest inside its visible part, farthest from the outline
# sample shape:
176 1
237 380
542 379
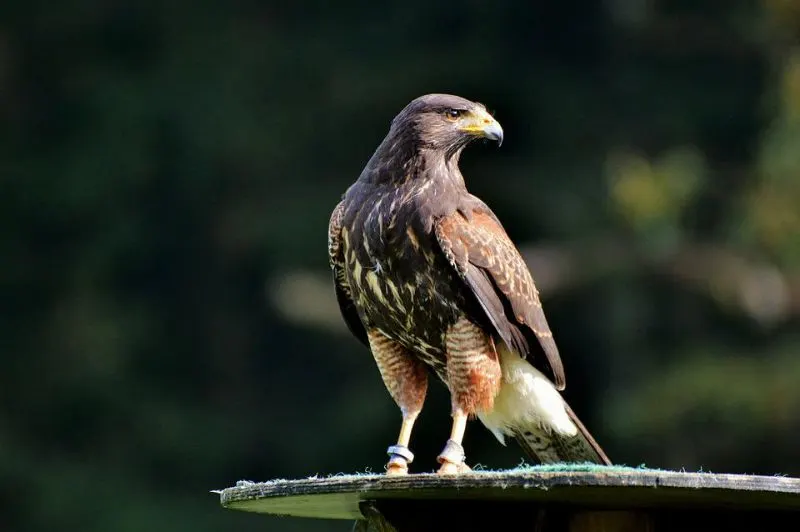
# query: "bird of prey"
427 278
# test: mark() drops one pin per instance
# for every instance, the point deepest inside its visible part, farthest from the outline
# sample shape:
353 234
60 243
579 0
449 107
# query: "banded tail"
530 409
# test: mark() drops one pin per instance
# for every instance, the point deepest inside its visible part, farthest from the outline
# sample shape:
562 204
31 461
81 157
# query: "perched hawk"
428 279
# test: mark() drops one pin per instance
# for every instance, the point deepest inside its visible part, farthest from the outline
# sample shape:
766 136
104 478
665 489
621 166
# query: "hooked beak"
481 124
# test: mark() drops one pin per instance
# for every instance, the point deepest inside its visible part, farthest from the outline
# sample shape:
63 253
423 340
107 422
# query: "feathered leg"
406 379
473 377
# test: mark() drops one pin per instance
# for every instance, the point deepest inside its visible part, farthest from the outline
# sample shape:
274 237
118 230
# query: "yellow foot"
450 468
395 469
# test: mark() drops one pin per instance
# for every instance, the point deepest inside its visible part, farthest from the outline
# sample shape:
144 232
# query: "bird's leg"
399 454
407 381
452 457
473 377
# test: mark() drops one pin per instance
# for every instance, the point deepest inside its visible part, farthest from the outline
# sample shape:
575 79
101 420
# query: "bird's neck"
442 167
402 160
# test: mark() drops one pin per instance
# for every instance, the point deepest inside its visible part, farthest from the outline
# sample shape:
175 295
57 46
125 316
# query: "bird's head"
446 122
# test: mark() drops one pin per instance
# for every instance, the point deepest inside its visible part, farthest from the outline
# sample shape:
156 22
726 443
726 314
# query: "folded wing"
479 249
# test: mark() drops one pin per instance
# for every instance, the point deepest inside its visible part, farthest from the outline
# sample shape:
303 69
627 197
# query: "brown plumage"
426 276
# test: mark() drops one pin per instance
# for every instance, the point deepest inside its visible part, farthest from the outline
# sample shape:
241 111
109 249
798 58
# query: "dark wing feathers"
336 260
485 257
485 289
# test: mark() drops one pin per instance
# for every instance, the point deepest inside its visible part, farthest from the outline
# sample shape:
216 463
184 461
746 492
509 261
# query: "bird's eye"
452 114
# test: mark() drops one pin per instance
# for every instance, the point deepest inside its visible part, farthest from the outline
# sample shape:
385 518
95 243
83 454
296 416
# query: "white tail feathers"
526 399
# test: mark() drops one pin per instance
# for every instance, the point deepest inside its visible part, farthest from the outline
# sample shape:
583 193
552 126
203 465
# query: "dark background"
167 170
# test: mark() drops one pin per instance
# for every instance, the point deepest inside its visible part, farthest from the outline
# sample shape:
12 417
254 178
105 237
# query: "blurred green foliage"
166 175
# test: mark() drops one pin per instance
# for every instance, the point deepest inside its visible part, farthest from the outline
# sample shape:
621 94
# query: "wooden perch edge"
602 498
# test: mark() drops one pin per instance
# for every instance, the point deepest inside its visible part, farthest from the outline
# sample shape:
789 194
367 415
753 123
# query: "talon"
396 469
450 468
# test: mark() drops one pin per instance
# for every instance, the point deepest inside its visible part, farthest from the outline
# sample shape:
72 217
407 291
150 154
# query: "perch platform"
540 498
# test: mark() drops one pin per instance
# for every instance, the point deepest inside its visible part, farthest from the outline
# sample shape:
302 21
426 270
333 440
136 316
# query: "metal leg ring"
453 452
398 453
